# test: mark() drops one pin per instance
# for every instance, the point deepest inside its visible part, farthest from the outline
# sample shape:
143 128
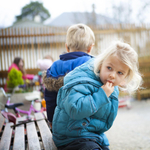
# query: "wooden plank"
45 114
45 132
6 137
26 47
2 120
38 41
6 49
146 85
32 47
41 43
1 66
145 91
15 41
10 49
33 71
3 74
22 44
13 47
146 75
19 138
33 141
144 64
28 34
19 39
145 59
4 62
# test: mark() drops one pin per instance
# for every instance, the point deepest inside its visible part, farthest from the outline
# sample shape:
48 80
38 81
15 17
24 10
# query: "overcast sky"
10 8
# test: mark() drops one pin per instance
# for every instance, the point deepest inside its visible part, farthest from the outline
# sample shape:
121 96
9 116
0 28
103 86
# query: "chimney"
37 19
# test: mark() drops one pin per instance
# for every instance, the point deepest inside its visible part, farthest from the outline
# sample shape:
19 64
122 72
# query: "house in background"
67 19
92 19
28 23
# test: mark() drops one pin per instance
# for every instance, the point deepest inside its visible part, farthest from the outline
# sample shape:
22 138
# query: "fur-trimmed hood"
52 84
53 77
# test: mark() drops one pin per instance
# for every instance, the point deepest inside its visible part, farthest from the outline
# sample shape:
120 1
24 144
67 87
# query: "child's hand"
108 88
50 124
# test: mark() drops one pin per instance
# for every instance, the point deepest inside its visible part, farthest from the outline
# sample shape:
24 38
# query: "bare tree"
144 11
122 12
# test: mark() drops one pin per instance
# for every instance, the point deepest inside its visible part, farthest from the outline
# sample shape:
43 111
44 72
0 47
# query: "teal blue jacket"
83 109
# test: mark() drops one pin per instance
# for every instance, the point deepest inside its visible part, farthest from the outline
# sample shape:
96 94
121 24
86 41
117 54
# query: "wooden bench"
144 66
34 135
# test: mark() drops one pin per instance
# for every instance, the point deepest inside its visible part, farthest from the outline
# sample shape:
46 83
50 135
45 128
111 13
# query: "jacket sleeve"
111 111
81 102
113 107
50 98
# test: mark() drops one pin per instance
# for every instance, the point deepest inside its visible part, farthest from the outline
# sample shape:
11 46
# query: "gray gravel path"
131 128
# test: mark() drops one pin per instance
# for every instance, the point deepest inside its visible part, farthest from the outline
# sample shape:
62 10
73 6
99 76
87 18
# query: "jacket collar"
72 55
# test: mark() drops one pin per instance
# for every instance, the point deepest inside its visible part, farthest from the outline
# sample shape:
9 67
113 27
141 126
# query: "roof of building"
70 18
27 23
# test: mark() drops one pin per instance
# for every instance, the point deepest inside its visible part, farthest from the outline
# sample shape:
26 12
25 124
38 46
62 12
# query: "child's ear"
90 48
100 67
67 48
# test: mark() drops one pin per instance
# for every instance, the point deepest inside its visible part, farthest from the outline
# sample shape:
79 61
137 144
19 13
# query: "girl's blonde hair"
129 57
79 37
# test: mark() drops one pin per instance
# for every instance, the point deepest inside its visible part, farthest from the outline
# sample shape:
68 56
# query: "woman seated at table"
18 64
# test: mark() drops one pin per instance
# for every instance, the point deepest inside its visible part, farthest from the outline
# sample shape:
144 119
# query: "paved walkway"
131 128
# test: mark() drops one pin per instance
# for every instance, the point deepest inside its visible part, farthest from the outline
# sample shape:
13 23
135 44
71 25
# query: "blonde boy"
79 42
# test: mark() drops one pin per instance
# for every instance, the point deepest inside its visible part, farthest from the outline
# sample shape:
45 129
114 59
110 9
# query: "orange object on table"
43 103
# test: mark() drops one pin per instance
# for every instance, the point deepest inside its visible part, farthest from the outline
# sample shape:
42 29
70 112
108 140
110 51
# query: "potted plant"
15 80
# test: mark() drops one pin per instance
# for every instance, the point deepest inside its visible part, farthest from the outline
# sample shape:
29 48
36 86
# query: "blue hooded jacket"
83 110
53 78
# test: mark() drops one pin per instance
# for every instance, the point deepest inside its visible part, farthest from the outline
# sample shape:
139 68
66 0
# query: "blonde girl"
87 104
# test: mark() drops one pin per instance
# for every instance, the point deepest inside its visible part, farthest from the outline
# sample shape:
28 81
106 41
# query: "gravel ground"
131 128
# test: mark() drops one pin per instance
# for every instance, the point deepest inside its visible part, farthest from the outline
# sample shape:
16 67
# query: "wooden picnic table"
34 135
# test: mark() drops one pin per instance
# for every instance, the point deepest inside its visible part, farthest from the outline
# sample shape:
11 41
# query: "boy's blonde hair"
129 57
79 37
